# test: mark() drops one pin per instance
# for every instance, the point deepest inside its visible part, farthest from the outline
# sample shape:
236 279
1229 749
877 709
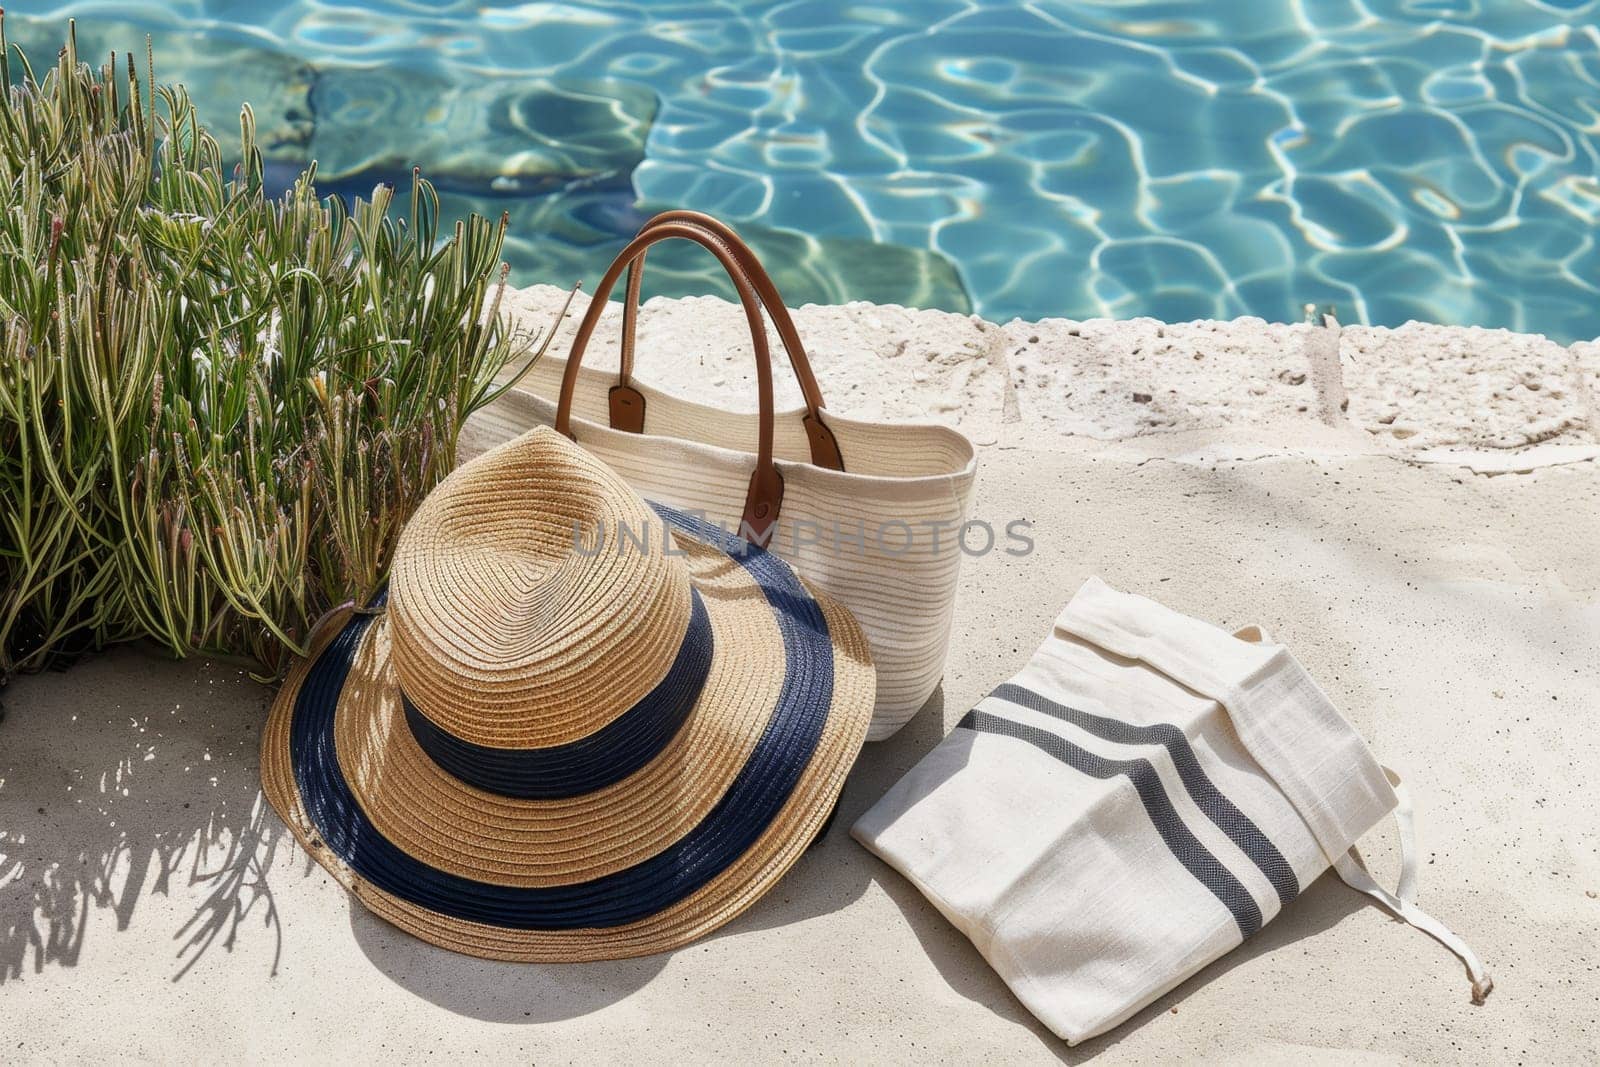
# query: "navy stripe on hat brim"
735 823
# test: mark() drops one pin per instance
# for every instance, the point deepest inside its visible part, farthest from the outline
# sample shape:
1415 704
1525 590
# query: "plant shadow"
129 775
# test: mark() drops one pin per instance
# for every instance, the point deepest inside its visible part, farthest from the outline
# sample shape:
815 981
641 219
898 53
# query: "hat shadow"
490 990
833 873
495 990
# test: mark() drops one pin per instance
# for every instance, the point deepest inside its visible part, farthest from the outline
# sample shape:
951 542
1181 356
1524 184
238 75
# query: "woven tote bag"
870 512
1145 794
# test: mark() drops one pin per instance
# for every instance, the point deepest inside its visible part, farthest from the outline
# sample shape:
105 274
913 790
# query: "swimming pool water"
1432 159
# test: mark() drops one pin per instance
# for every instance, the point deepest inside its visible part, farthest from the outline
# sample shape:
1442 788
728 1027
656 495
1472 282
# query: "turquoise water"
1434 159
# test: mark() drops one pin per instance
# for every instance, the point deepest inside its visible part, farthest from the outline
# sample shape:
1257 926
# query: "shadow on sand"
127 775
1321 907
831 875
131 775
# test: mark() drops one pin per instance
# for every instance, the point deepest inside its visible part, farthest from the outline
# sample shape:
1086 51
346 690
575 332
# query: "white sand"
150 909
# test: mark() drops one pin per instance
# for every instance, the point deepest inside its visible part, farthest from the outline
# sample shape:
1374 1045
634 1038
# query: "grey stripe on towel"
1180 840
1207 797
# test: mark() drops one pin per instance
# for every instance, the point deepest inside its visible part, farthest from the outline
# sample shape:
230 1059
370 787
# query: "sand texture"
1428 550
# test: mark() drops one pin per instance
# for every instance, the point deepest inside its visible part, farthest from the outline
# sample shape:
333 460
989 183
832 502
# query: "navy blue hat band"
604 757
736 822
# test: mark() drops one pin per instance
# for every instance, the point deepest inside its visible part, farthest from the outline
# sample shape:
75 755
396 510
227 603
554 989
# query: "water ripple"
1396 158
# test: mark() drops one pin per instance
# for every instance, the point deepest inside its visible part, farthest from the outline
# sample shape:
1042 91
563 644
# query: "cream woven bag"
1148 792
870 512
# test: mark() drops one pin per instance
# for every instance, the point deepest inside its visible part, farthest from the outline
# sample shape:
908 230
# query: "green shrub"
217 408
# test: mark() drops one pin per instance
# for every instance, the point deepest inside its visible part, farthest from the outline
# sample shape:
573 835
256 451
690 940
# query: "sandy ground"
151 908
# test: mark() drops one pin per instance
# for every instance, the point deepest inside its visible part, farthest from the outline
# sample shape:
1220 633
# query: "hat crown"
533 599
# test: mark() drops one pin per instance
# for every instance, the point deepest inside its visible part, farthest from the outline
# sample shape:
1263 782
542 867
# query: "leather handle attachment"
764 498
628 404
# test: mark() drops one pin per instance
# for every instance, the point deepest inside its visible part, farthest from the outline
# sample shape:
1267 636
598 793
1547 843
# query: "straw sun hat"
582 728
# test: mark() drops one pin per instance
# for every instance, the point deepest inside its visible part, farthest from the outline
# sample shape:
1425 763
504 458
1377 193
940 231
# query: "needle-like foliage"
217 408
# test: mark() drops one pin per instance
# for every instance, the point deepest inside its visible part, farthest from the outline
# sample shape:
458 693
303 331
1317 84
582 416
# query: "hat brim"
644 865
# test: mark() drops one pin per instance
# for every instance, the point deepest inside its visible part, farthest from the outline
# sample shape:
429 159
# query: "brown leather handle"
764 498
627 404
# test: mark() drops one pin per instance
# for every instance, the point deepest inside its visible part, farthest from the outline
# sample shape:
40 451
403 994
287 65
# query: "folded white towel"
1145 794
